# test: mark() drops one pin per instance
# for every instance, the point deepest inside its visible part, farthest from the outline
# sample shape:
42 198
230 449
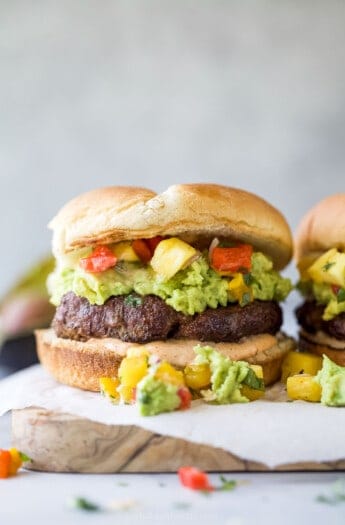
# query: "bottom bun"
321 343
81 364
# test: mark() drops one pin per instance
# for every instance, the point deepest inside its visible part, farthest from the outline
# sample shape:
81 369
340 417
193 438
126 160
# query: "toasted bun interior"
190 211
322 228
81 364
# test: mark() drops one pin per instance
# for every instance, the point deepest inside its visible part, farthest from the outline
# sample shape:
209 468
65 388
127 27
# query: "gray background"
93 93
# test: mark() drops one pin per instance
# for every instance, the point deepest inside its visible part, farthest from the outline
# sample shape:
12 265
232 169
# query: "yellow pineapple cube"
127 394
124 252
168 374
303 387
329 268
197 376
132 370
108 387
251 393
300 362
172 255
238 288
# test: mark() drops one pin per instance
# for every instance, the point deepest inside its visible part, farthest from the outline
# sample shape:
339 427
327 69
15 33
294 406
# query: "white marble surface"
158 498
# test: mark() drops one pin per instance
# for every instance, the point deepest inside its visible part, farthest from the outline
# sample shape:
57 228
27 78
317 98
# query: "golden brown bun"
81 364
190 211
321 344
322 228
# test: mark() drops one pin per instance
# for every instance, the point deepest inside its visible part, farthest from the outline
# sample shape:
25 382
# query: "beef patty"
309 316
140 319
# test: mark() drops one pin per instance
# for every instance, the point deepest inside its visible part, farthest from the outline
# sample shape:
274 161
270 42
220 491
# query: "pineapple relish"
324 280
186 279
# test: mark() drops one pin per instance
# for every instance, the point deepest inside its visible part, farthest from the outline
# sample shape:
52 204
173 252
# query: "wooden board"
59 442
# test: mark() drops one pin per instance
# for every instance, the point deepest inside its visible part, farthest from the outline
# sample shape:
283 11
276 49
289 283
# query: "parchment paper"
267 431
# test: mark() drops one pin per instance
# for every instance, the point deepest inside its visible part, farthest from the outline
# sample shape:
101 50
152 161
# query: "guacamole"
331 378
154 396
190 291
226 376
332 297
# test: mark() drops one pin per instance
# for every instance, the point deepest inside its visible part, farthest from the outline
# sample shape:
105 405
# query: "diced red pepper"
195 479
335 289
145 248
5 463
142 250
152 243
238 258
185 396
101 259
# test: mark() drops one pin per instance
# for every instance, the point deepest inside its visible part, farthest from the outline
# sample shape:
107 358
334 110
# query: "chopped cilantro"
327 266
227 484
246 299
341 295
253 381
84 504
133 300
248 279
24 457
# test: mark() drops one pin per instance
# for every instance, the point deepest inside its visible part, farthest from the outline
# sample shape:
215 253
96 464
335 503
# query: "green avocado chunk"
226 376
154 396
331 378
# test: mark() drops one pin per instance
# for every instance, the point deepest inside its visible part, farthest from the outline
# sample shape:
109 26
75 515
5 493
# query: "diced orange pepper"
101 259
232 259
5 463
16 461
142 250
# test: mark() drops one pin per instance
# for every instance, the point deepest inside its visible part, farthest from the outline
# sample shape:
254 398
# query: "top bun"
322 228
190 211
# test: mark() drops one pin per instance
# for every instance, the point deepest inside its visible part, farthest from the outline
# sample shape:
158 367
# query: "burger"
320 255
197 263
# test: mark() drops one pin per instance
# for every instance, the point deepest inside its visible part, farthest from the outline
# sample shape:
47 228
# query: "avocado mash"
154 396
331 378
190 291
332 297
226 376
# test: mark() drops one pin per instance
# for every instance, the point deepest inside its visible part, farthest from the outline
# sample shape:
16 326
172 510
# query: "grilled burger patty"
140 319
309 316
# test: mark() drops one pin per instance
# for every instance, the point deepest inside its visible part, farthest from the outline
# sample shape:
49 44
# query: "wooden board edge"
59 442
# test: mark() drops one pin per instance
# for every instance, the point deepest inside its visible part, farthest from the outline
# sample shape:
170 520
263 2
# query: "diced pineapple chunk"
168 374
132 370
197 376
251 393
172 255
304 264
329 268
127 394
300 362
238 288
108 387
124 252
303 387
